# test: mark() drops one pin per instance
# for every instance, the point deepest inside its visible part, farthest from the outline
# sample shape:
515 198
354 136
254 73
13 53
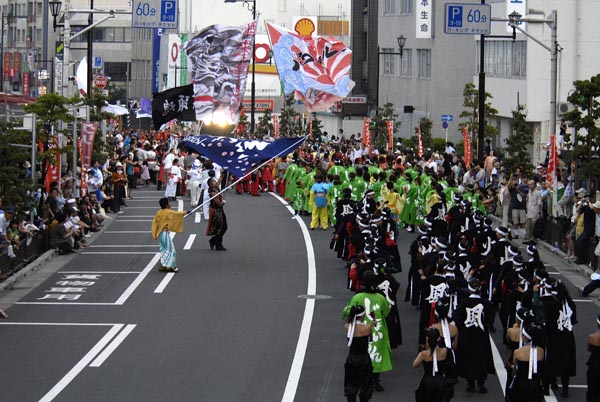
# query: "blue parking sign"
455 16
168 8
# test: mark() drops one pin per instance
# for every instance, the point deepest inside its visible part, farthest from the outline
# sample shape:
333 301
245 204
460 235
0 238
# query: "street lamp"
55 7
252 9
401 43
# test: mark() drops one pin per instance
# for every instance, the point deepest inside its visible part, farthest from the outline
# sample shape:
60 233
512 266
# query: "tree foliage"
378 127
583 118
517 144
14 186
317 131
288 120
265 124
470 114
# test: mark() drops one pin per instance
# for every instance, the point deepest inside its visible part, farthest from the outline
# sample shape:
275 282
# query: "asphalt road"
230 326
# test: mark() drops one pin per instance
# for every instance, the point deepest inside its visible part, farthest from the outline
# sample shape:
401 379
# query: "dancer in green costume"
376 308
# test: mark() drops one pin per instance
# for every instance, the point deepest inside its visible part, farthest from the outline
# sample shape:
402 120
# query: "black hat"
474 285
502 230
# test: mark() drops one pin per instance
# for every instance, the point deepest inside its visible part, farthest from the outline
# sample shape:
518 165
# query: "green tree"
288 120
378 126
583 118
317 131
265 124
50 109
14 186
470 114
518 143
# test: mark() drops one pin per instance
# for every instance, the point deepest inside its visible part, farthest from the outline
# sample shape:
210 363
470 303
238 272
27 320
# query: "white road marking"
101 358
125 231
180 205
133 220
197 217
499 366
67 324
121 245
118 252
78 368
296 370
583 300
99 272
137 281
189 242
67 304
163 284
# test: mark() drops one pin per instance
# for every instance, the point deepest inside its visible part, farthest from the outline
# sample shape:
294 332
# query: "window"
407 6
424 56
406 63
116 71
389 7
505 59
388 61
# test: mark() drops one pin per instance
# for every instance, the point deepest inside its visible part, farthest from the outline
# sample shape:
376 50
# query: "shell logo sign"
305 26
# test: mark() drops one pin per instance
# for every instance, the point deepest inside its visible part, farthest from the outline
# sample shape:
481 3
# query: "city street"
260 322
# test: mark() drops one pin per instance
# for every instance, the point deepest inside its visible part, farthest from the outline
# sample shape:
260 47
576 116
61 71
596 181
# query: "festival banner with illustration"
220 56
316 70
389 125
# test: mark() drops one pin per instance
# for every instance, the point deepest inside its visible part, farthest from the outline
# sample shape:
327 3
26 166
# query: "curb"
27 270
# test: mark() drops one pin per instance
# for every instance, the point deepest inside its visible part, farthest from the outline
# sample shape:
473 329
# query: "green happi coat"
379 346
358 187
335 194
307 181
290 180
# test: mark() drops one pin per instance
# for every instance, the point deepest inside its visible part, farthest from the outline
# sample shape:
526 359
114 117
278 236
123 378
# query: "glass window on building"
406 6
117 71
388 61
505 59
406 63
389 7
424 56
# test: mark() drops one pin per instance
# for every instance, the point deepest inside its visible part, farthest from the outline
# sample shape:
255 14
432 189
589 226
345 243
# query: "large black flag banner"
175 103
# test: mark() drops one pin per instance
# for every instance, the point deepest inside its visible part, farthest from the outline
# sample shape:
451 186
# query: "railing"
25 254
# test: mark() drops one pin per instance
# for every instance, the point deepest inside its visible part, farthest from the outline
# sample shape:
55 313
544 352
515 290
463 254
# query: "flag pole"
295 144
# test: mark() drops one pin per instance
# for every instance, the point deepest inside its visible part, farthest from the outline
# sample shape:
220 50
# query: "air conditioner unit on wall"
564 107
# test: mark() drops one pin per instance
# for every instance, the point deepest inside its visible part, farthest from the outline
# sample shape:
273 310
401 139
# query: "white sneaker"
120 212
87 235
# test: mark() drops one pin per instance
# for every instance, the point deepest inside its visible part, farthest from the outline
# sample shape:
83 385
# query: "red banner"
276 126
17 64
420 138
26 84
7 57
390 129
552 163
366 133
467 147
52 167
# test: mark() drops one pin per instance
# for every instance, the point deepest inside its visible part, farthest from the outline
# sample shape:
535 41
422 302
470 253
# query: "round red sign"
100 81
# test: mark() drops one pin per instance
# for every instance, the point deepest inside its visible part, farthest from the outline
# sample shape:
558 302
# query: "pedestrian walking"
165 221
432 387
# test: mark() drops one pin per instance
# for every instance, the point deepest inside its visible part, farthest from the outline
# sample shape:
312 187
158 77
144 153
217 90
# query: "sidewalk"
32 275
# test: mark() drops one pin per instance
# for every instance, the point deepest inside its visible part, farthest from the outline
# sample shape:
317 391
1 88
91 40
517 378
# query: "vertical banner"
310 131
16 67
156 34
424 20
275 126
366 133
467 147
26 84
389 124
420 140
183 62
7 58
551 172
174 61
52 166
86 147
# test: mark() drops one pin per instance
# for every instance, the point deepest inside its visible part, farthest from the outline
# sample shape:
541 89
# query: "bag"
136 170
538 228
